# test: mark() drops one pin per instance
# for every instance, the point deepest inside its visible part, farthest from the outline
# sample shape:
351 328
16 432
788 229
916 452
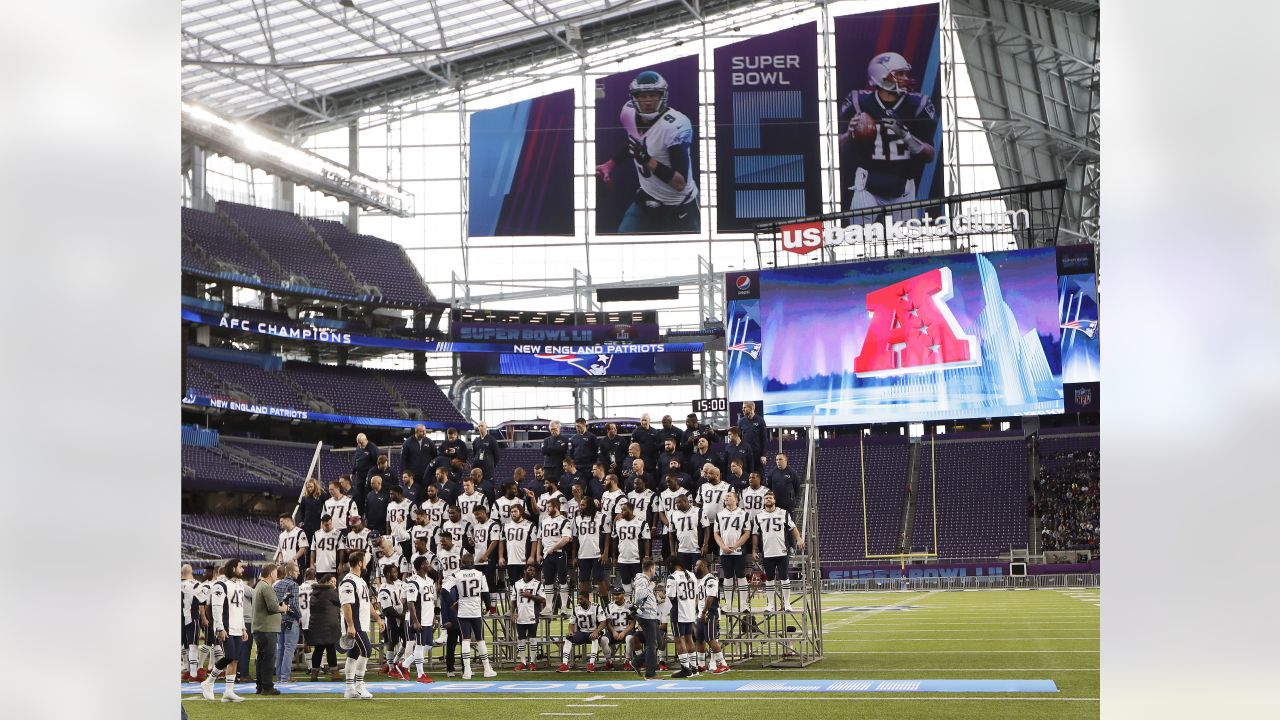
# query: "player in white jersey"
389 555
620 630
664 623
355 538
470 499
357 606
554 535
389 602
686 521
609 500
586 627
517 534
711 497
291 544
448 557
421 550
226 604
468 592
642 499
588 528
420 530
457 526
666 504
510 498
304 606
660 142
631 537
707 631
682 588
190 595
324 547
434 507
551 492
420 617
772 526
732 531
486 538
526 599
398 510
340 507
752 499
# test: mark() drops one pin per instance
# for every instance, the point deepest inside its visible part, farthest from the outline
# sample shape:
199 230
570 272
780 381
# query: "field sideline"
966 635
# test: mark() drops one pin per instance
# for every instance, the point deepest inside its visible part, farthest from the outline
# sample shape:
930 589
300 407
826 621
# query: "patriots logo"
750 348
1088 327
599 366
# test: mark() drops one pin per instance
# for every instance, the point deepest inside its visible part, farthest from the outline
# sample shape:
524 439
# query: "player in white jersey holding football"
226 604
772 526
291 544
586 627
660 143
420 616
732 531
357 606
526 598
468 592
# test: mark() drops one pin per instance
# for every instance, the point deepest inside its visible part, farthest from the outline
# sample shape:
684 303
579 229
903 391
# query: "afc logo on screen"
802 238
913 330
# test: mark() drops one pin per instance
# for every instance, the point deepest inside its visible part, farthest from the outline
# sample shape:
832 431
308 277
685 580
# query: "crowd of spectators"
1067 501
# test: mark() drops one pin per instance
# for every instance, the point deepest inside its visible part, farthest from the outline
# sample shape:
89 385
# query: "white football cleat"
466 674
364 694
349 694
231 697
490 672
206 688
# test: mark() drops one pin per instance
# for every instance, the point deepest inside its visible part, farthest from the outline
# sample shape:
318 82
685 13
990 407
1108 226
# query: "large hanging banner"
521 180
890 90
767 147
650 111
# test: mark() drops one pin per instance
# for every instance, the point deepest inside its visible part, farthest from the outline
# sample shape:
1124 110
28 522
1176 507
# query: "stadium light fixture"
243 143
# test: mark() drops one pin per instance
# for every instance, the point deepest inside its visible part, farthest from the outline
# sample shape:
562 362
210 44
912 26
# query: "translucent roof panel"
244 57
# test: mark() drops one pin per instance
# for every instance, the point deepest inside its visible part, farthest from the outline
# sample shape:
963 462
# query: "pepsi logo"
743 282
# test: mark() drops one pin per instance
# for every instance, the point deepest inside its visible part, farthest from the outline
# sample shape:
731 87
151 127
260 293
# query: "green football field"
969 635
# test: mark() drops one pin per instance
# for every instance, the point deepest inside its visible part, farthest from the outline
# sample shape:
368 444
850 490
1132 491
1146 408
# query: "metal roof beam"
546 29
369 38
265 88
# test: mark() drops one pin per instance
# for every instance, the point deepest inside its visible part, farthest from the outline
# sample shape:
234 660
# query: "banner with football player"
521 176
768 160
647 150
889 83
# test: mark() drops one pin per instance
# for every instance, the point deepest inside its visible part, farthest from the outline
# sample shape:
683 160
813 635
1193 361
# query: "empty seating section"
192 259
218 241
420 391
886 485
288 241
982 496
265 386
349 390
840 534
197 545
373 261
263 530
205 468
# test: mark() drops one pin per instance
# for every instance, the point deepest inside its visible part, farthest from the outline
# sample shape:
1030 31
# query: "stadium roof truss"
306 66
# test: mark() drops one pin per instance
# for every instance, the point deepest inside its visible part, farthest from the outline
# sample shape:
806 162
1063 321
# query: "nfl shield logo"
1084 396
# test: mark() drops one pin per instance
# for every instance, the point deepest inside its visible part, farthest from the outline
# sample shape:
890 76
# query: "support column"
353 164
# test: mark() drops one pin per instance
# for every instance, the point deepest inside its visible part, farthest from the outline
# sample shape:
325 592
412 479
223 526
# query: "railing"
980 582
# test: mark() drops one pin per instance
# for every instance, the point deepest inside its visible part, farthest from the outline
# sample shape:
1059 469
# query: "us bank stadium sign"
809 236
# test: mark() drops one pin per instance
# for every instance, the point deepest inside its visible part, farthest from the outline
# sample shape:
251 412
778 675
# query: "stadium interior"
339 280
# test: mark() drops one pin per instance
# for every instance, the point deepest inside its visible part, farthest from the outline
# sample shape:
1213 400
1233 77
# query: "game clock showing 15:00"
711 405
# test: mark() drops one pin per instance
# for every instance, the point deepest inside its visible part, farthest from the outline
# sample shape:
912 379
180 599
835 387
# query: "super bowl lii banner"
767 146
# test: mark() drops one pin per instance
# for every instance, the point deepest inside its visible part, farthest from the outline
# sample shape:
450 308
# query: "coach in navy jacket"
484 453
785 484
754 433
364 459
416 454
